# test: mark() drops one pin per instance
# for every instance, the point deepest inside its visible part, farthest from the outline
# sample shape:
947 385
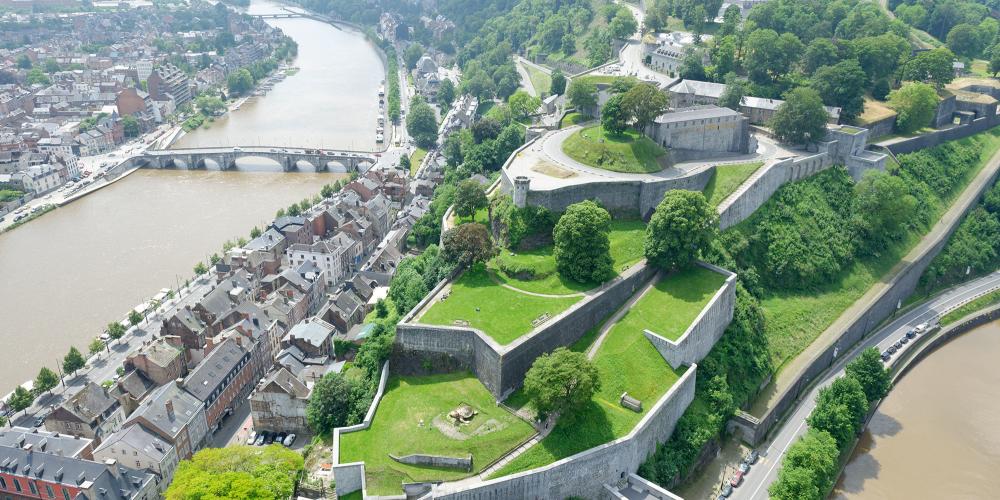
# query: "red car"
737 479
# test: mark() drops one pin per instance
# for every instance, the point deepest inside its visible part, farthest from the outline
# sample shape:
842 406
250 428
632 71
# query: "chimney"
170 409
112 466
179 382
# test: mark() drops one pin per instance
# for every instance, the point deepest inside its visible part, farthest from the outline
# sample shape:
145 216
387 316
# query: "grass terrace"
413 418
574 118
726 179
630 152
415 159
475 300
627 362
626 237
540 80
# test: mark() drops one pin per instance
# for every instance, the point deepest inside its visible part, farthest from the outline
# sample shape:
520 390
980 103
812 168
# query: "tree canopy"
915 104
682 224
331 403
467 244
237 472
582 247
869 371
561 382
421 123
801 118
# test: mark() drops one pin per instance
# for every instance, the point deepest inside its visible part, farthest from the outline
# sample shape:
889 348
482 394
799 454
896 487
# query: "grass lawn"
503 314
977 304
726 179
573 118
415 159
626 249
630 152
539 79
627 362
673 303
481 216
410 419
796 318
598 79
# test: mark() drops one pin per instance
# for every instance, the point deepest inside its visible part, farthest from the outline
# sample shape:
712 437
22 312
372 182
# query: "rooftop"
203 380
154 410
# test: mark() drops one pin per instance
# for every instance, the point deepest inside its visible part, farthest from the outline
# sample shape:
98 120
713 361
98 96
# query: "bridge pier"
227 162
290 164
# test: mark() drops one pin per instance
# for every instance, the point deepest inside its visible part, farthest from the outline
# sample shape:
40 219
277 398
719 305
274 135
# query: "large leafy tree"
868 370
644 102
915 104
801 118
808 469
840 410
842 85
561 382
331 403
20 399
582 94
614 117
422 124
682 225
931 66
881 55
237 472
582 248
883 208
523 104
73 361
558 85
469 197
467 244
820 52
46 380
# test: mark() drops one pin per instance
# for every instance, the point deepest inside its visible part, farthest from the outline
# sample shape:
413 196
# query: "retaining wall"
351 477
885 126
748 198
586 473
460 463
945 111
936 137
899 288
501 368
705 331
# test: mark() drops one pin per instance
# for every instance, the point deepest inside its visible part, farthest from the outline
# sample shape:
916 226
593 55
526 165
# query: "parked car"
752 457
279 438
260 439
252 439
744 467
39 421
921 328
268 438
898 344
886 355
737 479
726 491
290 440
892 349
910 334
905 340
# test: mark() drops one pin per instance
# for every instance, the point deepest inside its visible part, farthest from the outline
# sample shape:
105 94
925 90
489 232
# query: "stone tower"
521 184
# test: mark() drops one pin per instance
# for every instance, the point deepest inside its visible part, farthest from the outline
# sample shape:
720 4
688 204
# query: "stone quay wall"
897 291
586 473
705 331
501 368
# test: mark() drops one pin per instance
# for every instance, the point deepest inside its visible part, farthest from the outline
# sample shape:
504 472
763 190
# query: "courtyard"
413 418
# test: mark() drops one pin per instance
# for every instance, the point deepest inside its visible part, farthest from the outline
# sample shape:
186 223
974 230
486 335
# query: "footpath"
795 368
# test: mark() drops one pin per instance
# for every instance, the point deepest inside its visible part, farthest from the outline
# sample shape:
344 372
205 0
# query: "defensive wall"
351 477
585 474
769 178
701 335
880 308
931 139
501 368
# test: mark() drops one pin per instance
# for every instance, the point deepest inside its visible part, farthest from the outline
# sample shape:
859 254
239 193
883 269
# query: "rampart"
774 174
705 331
937 137
587 472
351 477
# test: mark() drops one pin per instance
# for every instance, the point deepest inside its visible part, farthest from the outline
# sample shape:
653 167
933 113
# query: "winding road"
757 481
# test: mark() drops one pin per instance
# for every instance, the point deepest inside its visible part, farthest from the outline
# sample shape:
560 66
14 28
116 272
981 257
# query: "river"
936 434
70 272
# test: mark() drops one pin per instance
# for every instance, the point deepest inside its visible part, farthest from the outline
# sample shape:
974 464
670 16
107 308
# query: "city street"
758 480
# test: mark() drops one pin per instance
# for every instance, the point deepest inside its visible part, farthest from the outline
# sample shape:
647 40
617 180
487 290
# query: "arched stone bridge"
225 157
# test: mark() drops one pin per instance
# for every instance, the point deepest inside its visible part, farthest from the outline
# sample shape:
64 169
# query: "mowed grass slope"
627 362
627 240
630 152
728 178
404 424
503 314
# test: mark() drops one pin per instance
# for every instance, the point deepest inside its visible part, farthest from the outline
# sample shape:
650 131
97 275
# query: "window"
48 489
65 494
3 484
17 485
31 486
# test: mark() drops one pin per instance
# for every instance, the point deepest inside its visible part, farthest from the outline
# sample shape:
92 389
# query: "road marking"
777 460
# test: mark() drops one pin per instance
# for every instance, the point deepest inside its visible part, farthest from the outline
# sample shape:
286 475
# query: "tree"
36 75
883 208
682 225
46 380
795 483
523 104
73 361
915 104
931 66
582 248
116 330
817 452
469 197
446 93
731 20
23 62
422 124
20 399
330 403
964 40
732 97
868 370
200 268
840 410
769 55
237 472
842 85
209 105
582 95
412 54
614 117
96 346
130 126
134 318
881 55
801 118
644 102
467 244
240 81
820 52
624 24
558 85
561 382
691 67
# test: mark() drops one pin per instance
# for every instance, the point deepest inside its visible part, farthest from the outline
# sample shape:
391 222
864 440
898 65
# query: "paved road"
759 478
